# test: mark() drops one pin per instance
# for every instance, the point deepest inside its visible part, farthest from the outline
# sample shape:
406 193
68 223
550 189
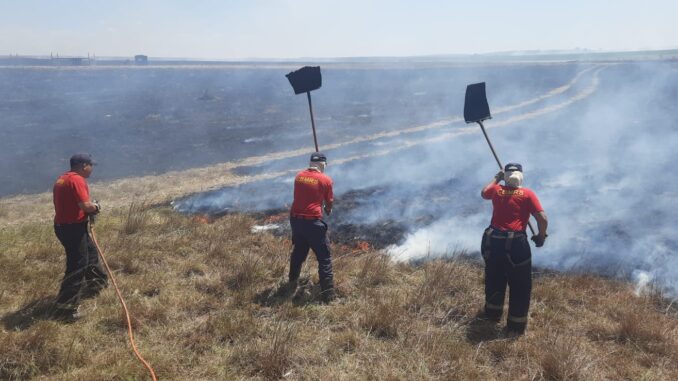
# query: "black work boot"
65 315
493 315
287 289
514 329
93 288
327 293
291 287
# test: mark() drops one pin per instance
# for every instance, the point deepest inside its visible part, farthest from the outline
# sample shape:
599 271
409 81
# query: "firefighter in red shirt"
312 194
505 249
72 205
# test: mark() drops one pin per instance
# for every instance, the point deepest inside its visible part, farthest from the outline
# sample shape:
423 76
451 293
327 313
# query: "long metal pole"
491 146
310 107
501 167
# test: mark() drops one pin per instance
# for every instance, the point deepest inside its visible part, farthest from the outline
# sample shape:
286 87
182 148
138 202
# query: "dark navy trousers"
83 269
508 262
310 234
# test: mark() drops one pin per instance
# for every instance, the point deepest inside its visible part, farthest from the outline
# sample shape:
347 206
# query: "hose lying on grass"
122 301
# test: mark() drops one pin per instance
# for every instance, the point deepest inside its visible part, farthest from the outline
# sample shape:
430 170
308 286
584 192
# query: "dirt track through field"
165 187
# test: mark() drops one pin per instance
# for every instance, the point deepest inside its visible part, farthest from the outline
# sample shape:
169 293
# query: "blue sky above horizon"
212 29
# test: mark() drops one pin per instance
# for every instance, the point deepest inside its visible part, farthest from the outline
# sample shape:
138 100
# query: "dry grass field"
203 298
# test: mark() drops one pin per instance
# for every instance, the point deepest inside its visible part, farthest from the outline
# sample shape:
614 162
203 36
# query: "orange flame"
275 218
202 219
362 245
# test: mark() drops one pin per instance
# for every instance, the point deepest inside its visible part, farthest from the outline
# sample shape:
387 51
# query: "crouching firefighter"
84 276
312 194
505 248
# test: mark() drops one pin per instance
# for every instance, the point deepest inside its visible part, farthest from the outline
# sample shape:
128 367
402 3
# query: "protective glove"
96 203
499 176
92 216
538 241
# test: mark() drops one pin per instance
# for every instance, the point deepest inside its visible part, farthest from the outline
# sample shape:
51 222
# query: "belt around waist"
304 217
72 224
505 233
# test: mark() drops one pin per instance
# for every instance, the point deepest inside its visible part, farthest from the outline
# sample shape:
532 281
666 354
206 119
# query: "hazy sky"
230 29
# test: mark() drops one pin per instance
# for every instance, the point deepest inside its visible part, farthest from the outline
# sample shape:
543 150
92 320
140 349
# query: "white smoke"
596 144
643 280
462 234
602 171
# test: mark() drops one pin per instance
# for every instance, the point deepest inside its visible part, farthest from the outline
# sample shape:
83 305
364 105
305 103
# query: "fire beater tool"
305 80
476 110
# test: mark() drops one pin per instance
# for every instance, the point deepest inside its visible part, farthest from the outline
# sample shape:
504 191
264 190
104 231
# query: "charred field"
195 176
374 232
154 120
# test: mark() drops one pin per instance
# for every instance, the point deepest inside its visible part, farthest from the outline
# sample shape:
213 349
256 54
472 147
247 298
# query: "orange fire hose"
124 305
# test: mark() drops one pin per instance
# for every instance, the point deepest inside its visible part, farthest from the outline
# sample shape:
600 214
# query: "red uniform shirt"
512 206
69 190
311 188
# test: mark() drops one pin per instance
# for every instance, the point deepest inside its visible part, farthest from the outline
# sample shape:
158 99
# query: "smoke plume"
596 143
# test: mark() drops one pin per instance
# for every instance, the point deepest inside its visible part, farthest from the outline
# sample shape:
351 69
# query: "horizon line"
511 53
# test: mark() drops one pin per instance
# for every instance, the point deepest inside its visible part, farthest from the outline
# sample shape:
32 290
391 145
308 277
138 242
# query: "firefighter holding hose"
312 195
505 248
84 276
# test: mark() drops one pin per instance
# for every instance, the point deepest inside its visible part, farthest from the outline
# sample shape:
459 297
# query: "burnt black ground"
139 121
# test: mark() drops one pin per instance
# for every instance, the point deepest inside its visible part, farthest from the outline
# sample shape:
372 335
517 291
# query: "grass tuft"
435 285
137 218
40 350
271 357
375 269
346 341
651 335
247 270
565 360
383 317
